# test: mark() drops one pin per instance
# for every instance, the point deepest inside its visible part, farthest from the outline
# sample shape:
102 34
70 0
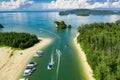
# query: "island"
101 44
62 25
1 26
87 12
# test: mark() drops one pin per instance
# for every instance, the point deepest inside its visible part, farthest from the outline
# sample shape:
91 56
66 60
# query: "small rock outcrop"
1 26
62 25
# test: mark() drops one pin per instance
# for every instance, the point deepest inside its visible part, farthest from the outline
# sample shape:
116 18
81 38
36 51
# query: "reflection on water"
46 19
15 17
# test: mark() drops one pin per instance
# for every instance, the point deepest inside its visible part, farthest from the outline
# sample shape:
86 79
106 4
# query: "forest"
101 44
17 40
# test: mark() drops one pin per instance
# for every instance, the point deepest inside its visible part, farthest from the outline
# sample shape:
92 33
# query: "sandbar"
87 69
13 62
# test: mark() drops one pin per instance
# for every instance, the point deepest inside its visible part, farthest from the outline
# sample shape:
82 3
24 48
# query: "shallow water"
66 65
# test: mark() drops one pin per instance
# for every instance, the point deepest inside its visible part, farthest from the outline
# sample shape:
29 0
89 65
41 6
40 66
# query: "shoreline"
82 56
12 63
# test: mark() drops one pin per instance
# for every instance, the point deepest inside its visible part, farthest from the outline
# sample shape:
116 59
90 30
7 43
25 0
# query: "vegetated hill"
17 40
87 12
101 44
62 25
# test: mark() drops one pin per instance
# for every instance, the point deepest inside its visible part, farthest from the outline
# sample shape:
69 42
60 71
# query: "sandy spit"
12 63
87 69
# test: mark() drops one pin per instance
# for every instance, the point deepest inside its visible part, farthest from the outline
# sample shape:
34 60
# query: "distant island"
62 25
87 12
101 44
1 26
17 40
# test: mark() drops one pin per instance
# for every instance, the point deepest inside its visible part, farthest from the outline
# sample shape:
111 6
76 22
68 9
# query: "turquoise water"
67 65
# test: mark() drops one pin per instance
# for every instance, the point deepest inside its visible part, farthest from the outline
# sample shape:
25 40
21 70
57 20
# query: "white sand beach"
87 69
13 62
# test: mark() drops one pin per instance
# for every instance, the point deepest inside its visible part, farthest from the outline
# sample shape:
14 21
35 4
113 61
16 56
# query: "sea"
67 64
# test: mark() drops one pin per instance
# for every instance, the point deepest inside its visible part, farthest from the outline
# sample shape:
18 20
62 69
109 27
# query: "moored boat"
28 71
24 79
31 64
38 53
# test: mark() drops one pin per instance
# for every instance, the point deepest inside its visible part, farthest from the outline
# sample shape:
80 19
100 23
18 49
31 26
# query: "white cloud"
36 6
58 4
72 4
10 5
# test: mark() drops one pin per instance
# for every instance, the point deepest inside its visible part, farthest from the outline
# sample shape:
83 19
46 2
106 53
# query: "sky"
57 4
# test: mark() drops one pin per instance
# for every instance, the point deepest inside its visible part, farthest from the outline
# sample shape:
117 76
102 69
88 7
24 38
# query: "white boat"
58 52
28 71
31 64
66 45
24 79
38 53
50 65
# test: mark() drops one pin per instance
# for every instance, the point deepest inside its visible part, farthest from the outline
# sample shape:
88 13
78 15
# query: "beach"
13 62
87 69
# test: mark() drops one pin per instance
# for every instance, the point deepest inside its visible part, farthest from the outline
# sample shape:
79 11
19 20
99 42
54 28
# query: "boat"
28 71
66 45
58 52
31 69
38 53
31 64
50 65
24 79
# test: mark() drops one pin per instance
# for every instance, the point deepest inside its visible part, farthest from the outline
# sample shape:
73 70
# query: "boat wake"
51 63
56 36
58 65
50 32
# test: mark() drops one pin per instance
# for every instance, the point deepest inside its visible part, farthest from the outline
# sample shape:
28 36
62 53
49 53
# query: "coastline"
87 69
12 62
